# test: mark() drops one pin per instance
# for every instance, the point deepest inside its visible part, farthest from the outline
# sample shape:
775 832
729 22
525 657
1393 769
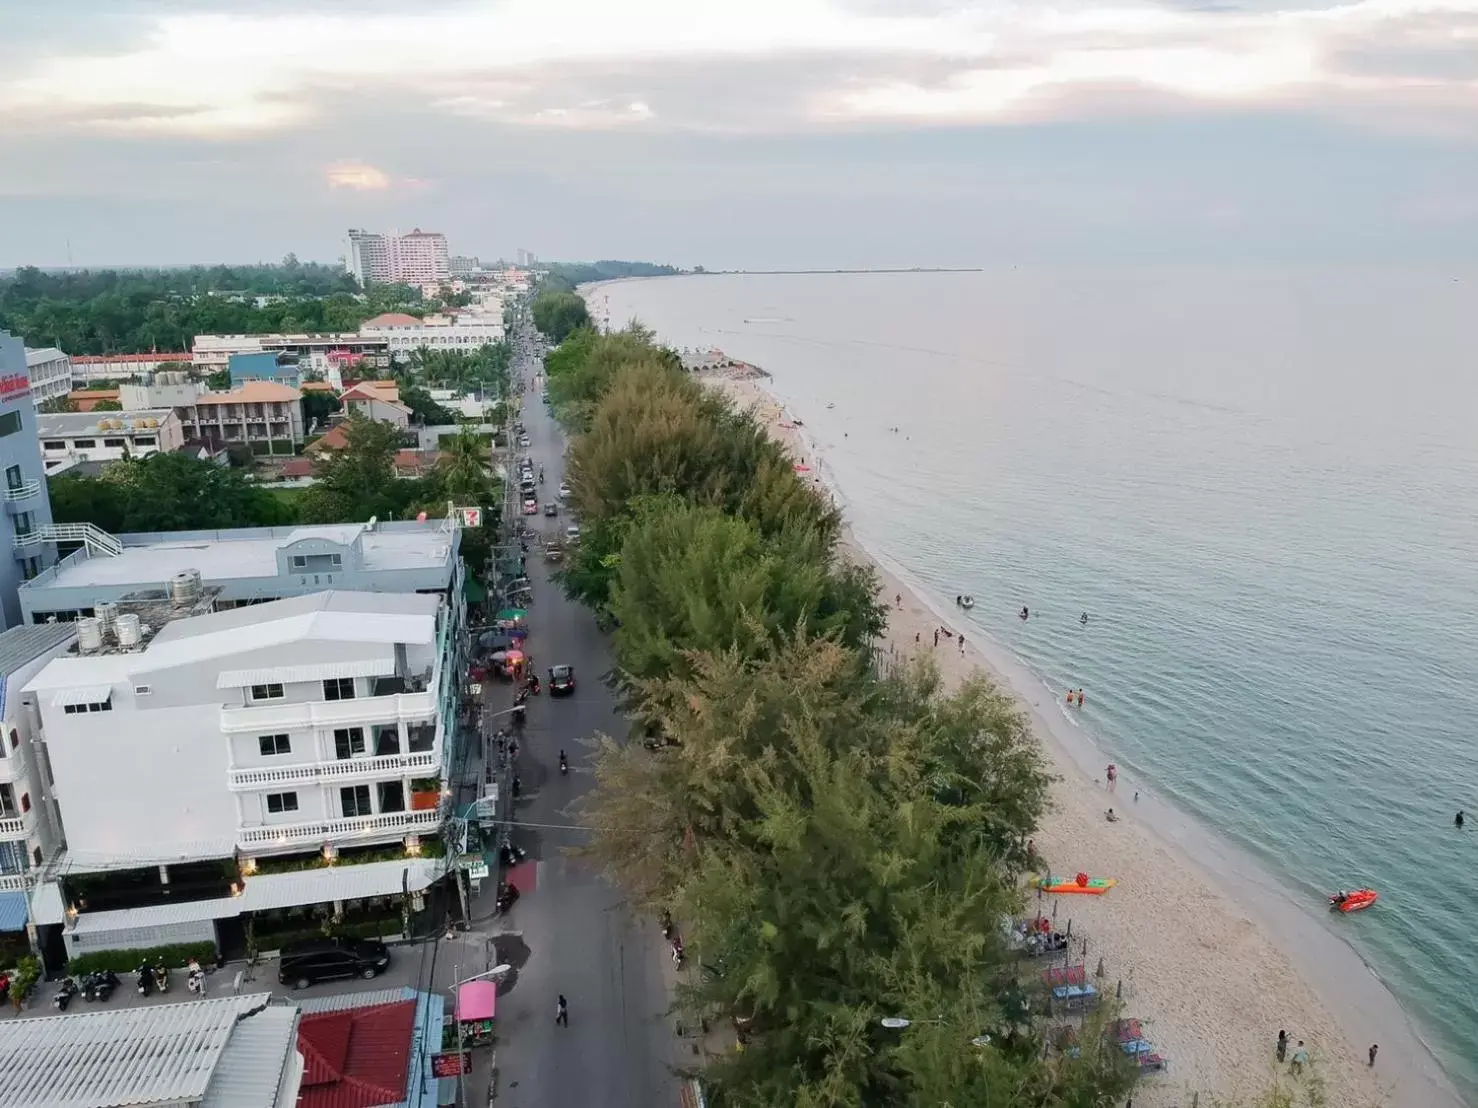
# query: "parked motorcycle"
98 985
65 994
678 957
161 979
145 980
564 764
507 897
195 982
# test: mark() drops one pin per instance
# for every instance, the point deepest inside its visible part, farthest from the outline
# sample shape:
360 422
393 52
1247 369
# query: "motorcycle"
161 979
507 897
195 982
666 924
145 980
678 956
564 764
65 994
510 854
99 985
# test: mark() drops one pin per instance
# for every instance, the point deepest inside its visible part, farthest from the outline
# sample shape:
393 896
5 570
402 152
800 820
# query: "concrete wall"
20 450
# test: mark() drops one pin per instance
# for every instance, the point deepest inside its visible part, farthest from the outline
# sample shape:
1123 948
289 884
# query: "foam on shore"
1213 954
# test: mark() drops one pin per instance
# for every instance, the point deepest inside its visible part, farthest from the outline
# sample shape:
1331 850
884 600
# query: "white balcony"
16 882
26 490
12 769
341 832
15 829
263 719
424 763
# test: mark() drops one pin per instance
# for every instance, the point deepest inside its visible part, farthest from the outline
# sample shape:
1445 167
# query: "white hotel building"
189 753
406 334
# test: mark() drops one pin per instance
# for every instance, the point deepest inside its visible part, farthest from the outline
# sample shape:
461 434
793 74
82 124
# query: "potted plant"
425 794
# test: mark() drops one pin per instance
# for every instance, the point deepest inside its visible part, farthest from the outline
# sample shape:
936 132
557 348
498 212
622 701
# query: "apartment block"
50 374
263 415
418 258
27 538
70 438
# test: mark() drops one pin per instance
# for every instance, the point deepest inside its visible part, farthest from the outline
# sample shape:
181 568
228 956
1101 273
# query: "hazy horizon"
809 133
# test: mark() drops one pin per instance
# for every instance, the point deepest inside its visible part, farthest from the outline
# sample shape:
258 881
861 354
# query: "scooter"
161 979
507 897
677 954
195 982
145 980
65 994
666 924
564 764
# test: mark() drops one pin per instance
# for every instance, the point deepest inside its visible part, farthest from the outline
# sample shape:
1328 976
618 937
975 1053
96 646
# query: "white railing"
315 714
12 828
16 882
386 765
96 540
24 491
390 823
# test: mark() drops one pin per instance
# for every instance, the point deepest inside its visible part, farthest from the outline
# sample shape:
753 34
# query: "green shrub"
176 956
371 929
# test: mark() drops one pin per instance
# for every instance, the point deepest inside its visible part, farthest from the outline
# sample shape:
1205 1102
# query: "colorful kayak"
1088 886
1356 901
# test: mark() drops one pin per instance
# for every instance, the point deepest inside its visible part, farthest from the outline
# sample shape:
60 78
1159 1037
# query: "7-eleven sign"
470 517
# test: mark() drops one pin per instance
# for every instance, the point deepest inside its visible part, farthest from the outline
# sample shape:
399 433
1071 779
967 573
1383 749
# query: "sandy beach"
1211 986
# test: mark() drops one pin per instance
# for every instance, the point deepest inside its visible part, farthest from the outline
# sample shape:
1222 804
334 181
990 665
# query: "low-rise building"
265 365
406 334
223 1052
71 437
326 354
250 565
377 400
193 754
50 371
263 415
87 400
121 367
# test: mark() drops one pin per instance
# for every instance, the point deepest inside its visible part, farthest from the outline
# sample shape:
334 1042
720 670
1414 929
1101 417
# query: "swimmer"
1083 619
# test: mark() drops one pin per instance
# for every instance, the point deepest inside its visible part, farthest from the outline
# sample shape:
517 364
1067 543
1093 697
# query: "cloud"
356 176
590 65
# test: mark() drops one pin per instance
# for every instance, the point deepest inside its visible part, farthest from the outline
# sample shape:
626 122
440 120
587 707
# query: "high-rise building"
27 538
419 258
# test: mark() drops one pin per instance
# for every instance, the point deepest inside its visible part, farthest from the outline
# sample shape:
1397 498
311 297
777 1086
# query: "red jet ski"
1356 901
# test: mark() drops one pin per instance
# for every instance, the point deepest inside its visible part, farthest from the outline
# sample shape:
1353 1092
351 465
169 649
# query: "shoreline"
1213 957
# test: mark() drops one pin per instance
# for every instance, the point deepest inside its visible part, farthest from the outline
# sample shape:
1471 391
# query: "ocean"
1261 485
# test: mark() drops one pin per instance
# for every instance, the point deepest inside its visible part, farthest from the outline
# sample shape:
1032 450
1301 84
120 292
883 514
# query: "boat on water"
1356 901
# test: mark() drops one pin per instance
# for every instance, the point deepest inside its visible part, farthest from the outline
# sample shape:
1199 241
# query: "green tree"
164 492
358 481
107 406
462 469
557 314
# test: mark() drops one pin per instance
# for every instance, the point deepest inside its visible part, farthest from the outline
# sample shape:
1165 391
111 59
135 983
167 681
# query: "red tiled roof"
334 439
298 467
391 319
85 400
356 1058
97 359
373 390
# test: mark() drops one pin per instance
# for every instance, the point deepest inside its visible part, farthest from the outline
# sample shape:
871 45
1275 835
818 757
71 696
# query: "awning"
14 911
158 915
477 1000
83 694
265 891
322 671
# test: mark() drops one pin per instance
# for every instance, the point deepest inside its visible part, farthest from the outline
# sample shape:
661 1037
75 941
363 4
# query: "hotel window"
117 444
338 688
278 803
356 801
84 444
274 744
82 709
54 444
10 423
348 741
143 440
266 692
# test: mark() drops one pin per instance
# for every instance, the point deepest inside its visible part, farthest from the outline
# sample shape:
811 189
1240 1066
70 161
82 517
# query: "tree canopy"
557 314
837 844
164 492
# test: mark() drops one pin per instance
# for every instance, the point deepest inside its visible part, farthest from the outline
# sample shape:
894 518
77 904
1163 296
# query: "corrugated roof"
383 666
252 392
26 642
157 915
14 910
367 999
109 1057
357 1057
44 354
47 905
252 1066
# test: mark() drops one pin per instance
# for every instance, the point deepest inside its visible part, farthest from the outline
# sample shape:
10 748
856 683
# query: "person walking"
562 1012
962 644
936 636
1300 1059
1374 1047
1282 1045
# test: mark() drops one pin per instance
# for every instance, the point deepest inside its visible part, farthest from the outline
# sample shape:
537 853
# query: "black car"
561 680
315 960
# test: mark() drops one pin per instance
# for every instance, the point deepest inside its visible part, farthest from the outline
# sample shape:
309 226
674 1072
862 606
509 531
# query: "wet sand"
1199 967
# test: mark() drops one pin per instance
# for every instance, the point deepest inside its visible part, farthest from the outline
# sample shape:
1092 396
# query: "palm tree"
462 468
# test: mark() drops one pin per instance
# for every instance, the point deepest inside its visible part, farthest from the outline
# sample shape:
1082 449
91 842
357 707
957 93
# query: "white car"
572 533
523 441
564 490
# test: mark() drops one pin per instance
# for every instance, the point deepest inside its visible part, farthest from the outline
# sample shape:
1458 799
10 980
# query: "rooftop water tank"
107 616
185 588
89 635
130 631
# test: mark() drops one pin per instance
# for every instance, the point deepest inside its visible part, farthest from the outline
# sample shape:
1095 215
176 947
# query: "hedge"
372 929
176 956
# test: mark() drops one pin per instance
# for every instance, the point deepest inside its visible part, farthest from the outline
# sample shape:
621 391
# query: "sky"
744 134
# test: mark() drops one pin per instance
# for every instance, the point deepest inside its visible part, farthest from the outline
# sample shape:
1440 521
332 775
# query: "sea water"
1261 485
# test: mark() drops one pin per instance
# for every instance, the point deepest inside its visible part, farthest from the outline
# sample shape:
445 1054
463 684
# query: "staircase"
95 539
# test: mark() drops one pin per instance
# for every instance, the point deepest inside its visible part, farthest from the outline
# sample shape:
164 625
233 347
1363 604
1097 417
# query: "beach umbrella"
1099 972
512 614
1119 990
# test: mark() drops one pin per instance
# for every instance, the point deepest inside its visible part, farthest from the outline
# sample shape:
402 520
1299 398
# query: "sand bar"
1204 960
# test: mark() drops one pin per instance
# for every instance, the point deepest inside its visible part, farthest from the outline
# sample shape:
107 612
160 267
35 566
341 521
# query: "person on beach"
936 636
1080 698
1282 1045
562 1012
898 599
1458 821
1110 816
1300 1059
1113 776
916 636
1026 613
1083 619
1069 698
1373 1048
962 643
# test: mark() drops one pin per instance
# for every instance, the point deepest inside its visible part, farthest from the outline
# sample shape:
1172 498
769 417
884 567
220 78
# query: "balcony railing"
97 540
11 829
339 830
24 491
316 714
343 769
16 882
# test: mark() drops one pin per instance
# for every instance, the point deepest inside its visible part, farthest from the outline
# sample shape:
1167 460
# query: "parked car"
564 490
551 509
523 441
530 507
572 533
561 680
314 960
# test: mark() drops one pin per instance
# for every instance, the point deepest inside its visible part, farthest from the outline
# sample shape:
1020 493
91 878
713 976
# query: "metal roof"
383 666
355 1000
158 915
14 910
26 642
252 1066
118 1057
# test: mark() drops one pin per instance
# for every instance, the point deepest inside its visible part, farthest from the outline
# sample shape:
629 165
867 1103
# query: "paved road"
582 940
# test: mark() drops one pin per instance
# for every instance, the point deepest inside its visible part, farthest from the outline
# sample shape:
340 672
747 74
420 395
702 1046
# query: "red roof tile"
391 319
356 1058
298 467
334 439
98 359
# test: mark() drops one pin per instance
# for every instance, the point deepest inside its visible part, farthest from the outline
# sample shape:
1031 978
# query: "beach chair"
1136 1047
1127 1030
1076 997
1153 1063
1065 975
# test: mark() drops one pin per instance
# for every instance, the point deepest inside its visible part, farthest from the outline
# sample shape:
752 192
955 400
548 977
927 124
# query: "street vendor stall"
477 1004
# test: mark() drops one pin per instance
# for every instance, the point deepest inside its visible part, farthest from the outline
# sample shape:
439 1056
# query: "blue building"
265 365
27 537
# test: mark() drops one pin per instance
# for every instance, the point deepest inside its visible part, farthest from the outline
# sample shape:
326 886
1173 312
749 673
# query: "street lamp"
497 972
898 1023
